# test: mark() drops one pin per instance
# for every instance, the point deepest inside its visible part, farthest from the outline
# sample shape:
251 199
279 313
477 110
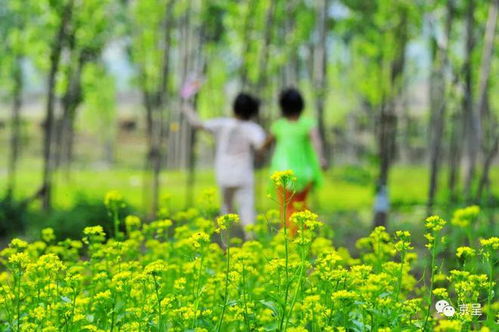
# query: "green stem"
248 327
489 291
142 311
198 284
116 224
73 307
331 304
226 292
113 313
18 304
286 289
401 272
399 282
298 287
156 290
433 254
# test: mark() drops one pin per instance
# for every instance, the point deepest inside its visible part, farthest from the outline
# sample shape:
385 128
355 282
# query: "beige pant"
243 198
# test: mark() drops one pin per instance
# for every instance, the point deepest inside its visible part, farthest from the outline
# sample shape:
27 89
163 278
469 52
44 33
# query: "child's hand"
190 88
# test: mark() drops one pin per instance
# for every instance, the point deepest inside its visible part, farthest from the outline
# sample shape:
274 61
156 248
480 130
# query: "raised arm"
318 147
192 116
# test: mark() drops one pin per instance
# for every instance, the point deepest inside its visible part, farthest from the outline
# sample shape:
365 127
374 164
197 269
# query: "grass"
345 200
408 186
347 188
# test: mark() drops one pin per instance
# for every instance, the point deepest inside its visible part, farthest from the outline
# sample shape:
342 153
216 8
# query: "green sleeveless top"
294 151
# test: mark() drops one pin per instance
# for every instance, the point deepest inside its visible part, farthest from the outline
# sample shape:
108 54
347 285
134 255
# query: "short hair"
246 106
291 102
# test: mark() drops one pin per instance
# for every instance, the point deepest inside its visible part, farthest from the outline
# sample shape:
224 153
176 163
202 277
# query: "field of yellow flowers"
184 272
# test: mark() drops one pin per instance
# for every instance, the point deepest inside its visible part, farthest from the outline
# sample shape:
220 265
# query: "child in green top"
298 148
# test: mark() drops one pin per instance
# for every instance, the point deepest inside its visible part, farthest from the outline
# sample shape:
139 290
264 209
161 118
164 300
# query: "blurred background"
405 93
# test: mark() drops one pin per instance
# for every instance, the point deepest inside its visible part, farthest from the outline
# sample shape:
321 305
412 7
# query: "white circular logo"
449 311
440 305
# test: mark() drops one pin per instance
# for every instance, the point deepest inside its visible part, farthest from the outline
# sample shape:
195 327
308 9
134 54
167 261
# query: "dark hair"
291 102
246 106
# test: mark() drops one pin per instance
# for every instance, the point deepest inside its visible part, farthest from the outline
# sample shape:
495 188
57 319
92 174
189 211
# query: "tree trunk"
68 153
351 139
405 121
387 125
438 105
487 122
55 56
69 130
158 124
290 68
264 55
455 153
108 151
387 129
485 178
243 69
198 65
437 109
15 136
485 65
470 117
147 184
187 133
320 69
70 102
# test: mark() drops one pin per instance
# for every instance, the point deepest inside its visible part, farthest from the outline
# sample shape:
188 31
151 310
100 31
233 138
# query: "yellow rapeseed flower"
48 234
283 178
18 244
343 295
224 222
448 326
464 217
114 200
490 243
156 267
465 252
441 293
434 223
19 260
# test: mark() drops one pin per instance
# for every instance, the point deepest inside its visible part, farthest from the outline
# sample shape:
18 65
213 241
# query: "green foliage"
357 175
378 32
69 223
13 216
170 274
100 101
147 32
19 40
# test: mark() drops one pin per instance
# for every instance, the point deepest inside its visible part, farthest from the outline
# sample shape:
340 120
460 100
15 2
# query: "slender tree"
16 42
488 124
15 135
94 24
384 30
64 9
470 117
152 24
196 66
321 68
99 108
438 101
